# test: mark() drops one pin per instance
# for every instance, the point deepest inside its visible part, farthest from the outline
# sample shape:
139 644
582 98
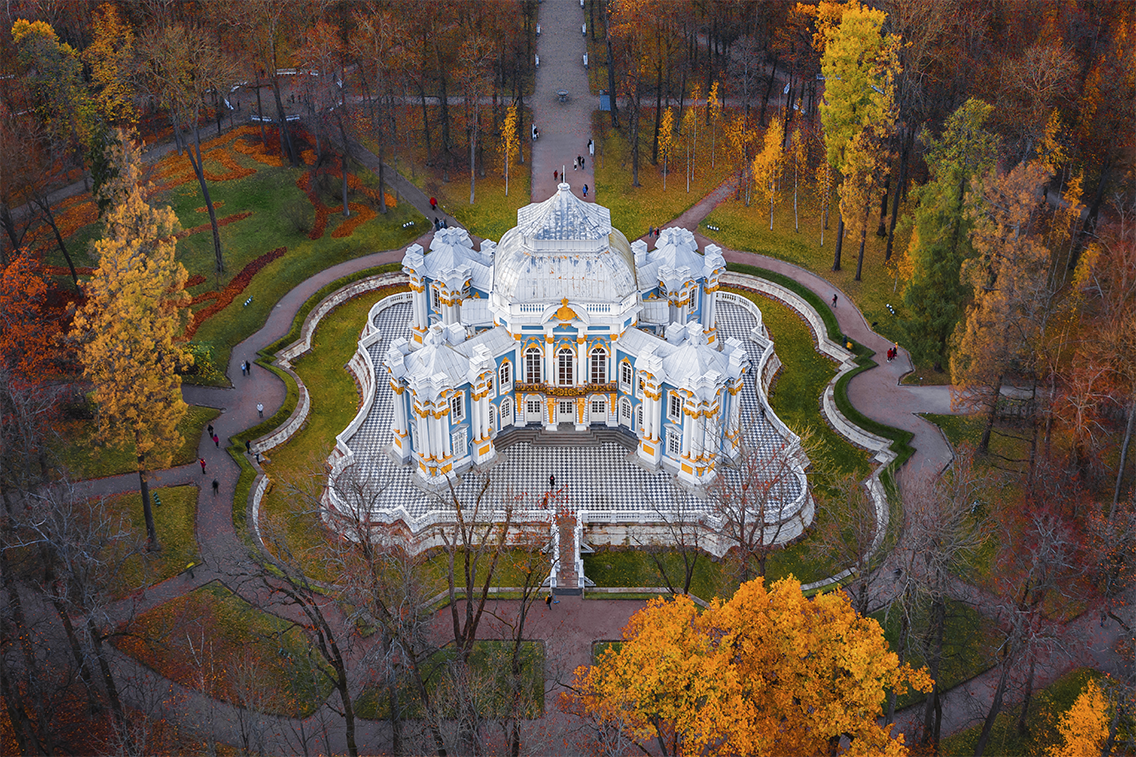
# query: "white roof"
475 312
563 248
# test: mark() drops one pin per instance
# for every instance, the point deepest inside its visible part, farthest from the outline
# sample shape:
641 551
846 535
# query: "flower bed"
259 152
360 215
203 209
234 169
194 280
206 226
62 270
230 292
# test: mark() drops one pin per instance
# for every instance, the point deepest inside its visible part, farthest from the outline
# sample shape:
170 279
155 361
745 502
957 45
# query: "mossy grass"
625 567
175 518
489 661
83 453
492 213
747 229
213 641
635 209
1041 721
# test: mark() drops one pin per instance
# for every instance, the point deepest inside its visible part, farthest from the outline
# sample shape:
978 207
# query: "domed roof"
564 248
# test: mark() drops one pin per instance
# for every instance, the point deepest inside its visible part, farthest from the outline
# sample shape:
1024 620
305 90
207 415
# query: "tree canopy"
769 671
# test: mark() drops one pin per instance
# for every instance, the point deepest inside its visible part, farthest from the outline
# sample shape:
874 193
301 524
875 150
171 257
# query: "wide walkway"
565 127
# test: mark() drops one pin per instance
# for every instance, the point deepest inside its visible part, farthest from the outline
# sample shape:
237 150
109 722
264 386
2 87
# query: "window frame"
674 442
674 413
598 365
457 408
566 368
534 358
505 375
626 375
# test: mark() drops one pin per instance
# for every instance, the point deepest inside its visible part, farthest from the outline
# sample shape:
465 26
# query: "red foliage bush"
230 292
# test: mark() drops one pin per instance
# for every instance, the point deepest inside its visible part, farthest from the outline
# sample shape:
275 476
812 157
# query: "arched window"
505 376
506 412
533 359
492 418
626 374
599 365
566 361
639 419
625 412
435 298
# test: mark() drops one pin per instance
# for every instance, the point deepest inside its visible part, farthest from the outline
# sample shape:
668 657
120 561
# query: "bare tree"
685 529
747 498
846 538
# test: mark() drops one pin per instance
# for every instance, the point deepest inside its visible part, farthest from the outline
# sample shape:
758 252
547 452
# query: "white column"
697 434
687 433
550 376
583 370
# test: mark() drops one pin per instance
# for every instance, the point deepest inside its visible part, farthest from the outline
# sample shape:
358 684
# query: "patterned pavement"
585 475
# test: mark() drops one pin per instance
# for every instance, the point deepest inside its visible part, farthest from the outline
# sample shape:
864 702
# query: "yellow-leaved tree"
666 141
136 308
1084 727
767 166
752 675
509 140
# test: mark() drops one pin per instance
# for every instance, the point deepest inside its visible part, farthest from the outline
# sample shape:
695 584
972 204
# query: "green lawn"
747 229
969 645
174 520
490 661
213 641
1041 721
635 209
273 197
83 454
334 400
636 568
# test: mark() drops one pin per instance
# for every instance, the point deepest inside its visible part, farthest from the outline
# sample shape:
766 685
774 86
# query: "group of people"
893 352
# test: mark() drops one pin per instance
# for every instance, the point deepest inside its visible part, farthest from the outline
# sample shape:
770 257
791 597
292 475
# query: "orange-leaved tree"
752 675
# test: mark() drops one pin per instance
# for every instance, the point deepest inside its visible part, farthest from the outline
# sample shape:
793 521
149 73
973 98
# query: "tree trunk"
147 511
1123 458
904 628
901 185
881 230
863 239
768 90
931 723
194 154
658 114
984 444
285 132
259 115
635 139
445 98
108 681
1022 728
45 206
995 708
839 243
610 75
425 123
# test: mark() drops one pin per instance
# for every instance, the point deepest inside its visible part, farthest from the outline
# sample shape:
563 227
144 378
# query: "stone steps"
568 437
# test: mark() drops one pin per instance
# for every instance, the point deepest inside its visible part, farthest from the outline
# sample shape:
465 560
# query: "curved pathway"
569 627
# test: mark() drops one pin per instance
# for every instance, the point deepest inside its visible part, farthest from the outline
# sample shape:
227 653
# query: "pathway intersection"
569 628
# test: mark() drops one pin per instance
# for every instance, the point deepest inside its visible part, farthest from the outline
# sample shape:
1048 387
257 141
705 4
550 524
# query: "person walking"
209 430
216 441
576 164
433 203
216 486
260 409
834 300
202 461
585 191
581 159
555 176
248 446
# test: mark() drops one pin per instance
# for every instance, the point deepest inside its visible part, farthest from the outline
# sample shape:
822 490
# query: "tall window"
506 412
599 411
599 366
674 442
434 296
492 418
639 419
457 408
533 359
505 376
625 411
565 361
674 408
626 374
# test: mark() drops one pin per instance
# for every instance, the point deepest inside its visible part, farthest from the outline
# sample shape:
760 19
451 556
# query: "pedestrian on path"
433 203
834 300
555 176
248 446
551 481
202 461
210 430
216 441
576 164
216 486
260 409
549 601
585 191
581 159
